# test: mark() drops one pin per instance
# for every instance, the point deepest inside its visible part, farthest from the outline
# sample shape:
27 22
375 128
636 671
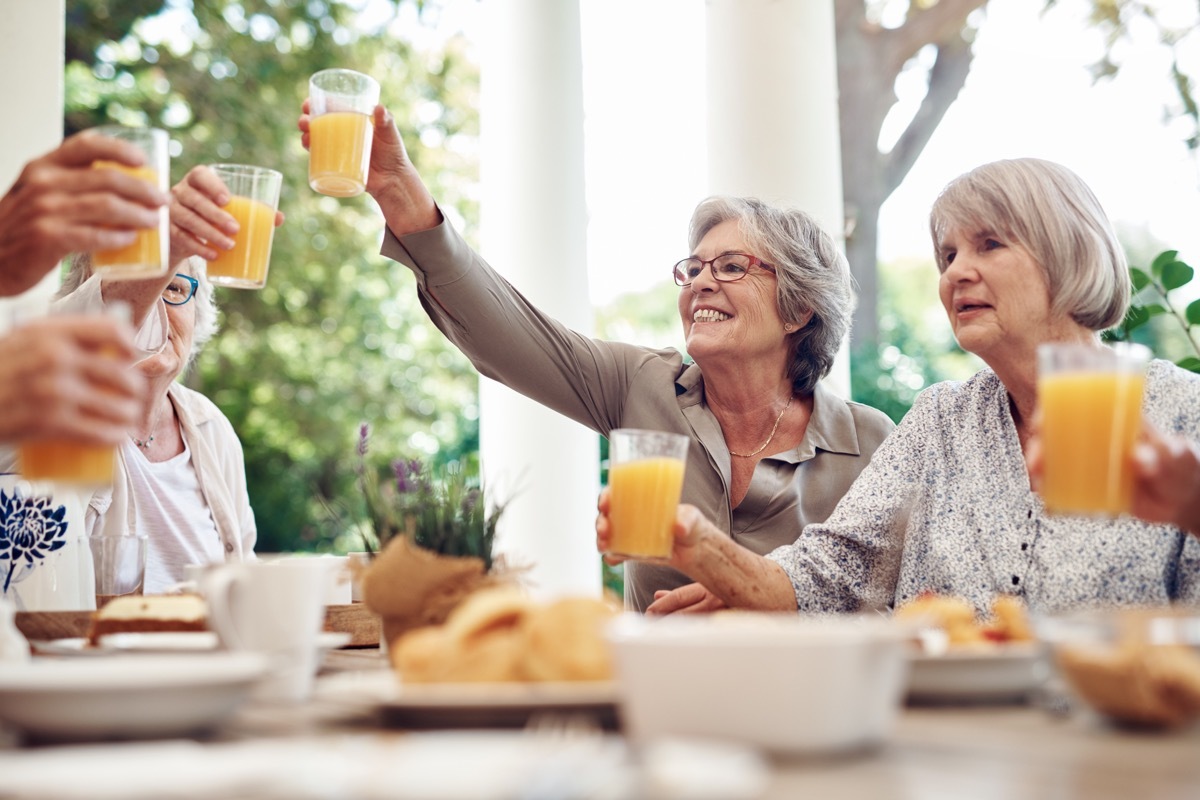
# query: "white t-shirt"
171 511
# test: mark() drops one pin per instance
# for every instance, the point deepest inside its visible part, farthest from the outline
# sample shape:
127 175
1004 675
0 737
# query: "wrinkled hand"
60 205
1166 480
69 378
392 179
690 529
199 226
690 599
1034 463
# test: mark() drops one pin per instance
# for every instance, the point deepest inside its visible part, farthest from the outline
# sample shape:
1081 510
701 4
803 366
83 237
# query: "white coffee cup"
276 608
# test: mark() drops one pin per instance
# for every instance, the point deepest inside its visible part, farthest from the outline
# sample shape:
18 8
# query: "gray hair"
813 276
1048 210
206 307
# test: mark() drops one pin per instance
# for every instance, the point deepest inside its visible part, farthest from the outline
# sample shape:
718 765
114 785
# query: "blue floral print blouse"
945 505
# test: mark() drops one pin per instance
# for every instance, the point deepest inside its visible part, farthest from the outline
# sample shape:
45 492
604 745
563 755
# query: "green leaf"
1140 279
1136 318
1193 313
1191 363
1161 260
1176 274
1153 310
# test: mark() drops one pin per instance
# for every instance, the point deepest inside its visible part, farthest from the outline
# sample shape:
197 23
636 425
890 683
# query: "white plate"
457 705
998 674
125 696
162 642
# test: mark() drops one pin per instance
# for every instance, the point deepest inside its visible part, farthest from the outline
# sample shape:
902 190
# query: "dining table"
338 744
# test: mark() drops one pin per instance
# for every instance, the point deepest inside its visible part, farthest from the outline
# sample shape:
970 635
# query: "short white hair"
1048 210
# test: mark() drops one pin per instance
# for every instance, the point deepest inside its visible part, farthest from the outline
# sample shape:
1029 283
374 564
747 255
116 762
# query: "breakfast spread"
500 635
1145 677
149 614
1008 622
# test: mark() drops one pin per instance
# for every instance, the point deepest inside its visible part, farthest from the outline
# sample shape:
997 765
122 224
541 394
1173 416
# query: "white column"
31 83
533 229
773 129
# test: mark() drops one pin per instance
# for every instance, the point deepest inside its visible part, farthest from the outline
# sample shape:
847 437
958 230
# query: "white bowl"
788 684
126 696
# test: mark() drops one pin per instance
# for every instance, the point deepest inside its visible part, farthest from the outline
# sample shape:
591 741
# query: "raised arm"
406 203
60 205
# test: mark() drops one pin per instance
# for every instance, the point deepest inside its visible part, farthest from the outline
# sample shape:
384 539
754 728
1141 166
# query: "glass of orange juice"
1090 398
254 196
66 461
147 256
645 475
341 104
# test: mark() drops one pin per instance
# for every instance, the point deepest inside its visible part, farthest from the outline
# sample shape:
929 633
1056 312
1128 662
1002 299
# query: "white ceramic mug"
275 608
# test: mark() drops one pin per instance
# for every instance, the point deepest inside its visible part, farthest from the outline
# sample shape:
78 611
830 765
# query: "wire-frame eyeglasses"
180 290
727 267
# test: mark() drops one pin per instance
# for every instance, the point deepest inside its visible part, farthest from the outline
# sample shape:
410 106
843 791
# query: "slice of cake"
149 614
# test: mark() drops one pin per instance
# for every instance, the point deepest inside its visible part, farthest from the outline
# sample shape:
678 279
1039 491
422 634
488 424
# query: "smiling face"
996 297
738 319
181 324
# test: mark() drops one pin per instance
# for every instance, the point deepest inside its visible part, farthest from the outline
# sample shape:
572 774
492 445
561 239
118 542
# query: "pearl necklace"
769 437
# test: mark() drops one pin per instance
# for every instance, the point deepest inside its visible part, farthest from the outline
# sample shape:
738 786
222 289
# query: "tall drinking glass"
254 197
645 475
72 462
147 256
1091 405
341 104
119 562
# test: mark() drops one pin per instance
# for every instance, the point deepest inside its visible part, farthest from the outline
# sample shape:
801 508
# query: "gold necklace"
771 436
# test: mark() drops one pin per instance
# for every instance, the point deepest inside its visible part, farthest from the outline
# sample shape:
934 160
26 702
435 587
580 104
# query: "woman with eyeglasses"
764 299
180 475
1026 256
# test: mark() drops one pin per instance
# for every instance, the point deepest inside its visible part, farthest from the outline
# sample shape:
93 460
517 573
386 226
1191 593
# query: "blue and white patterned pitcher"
45 561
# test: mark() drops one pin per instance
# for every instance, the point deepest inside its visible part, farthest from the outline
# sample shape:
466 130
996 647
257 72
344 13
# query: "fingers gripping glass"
726 267
180 290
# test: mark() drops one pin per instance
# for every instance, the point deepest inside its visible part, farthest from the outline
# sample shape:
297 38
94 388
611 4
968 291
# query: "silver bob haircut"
1049 211
812 275
206 307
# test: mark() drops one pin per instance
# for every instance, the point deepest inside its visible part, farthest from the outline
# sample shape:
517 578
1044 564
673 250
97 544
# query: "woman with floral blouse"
1026 256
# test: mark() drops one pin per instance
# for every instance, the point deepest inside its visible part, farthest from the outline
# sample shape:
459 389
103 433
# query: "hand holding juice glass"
71 461
254 197
645 476
147 255
1090 398
341 105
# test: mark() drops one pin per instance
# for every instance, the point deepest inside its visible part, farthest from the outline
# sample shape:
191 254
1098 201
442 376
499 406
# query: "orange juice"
645 493
67 462
146 256
245 265
339 153
1089 423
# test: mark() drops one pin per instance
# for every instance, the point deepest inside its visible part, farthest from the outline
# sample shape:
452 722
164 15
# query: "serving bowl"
1136 666
787 684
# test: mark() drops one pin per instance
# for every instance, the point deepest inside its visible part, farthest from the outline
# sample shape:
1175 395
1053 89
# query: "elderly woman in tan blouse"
1026 256
765 299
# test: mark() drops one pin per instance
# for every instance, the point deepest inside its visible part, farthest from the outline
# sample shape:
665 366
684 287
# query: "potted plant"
431 535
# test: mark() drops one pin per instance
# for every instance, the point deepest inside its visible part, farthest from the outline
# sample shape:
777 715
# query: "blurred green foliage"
337 337
1160 316
919 347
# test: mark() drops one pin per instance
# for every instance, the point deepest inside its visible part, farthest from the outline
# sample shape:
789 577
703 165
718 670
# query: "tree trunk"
870 58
